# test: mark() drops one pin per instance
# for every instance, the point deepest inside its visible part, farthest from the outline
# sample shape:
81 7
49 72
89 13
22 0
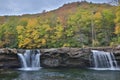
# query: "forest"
77 24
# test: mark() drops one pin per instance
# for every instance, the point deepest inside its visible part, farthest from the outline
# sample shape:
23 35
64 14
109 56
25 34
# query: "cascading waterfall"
30 60
104 60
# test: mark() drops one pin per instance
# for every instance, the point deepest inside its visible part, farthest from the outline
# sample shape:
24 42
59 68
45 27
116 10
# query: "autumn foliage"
78 24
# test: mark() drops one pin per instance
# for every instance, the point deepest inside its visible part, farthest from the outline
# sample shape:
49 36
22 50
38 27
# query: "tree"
104 22
117 26
8 33
28 36
81 24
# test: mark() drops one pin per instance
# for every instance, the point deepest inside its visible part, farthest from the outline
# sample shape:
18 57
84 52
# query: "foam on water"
30 60
104 61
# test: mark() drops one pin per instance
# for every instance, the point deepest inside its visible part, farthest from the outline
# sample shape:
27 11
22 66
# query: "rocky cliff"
56 57
9 58
65 57
72 57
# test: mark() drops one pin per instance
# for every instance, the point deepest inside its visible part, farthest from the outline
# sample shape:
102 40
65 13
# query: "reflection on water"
60 74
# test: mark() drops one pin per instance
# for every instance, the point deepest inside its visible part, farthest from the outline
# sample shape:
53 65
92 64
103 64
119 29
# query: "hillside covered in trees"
77 24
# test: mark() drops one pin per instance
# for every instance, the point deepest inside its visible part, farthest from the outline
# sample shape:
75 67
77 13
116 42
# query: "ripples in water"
60 74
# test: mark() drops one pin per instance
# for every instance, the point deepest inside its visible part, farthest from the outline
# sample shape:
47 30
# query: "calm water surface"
59 74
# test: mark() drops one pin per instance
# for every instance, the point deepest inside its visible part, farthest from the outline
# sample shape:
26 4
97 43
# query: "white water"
30 60
104 61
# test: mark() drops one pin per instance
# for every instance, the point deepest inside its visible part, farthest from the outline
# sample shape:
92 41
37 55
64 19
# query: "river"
59 74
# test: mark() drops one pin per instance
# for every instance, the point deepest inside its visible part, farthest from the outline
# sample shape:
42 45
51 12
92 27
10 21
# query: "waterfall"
104 60
30 60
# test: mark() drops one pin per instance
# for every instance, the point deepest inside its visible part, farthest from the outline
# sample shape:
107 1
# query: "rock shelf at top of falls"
56 57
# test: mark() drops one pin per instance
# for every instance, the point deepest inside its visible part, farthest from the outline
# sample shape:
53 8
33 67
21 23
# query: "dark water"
59 74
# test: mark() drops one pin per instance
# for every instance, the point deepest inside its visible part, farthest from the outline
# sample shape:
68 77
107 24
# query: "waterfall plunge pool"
98 72
105 69
29 69
103 61
60 74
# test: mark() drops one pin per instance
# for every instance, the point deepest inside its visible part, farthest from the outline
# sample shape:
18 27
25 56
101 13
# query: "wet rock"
21 50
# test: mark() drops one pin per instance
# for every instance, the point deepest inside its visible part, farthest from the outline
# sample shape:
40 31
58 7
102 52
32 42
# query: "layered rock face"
56 57
72 57
9 58
116 52
65 57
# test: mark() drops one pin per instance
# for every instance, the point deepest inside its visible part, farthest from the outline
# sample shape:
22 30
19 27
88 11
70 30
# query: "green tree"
8 34
104 22
28 36
117 26
81 23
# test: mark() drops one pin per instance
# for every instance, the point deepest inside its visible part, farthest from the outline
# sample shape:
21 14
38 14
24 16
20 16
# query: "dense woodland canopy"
78 24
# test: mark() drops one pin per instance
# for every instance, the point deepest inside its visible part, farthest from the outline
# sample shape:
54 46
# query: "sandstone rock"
9 61
8 51
56 57
72 57
64 57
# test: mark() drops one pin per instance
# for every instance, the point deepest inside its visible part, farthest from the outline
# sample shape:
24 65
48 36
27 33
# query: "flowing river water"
60 74
105 68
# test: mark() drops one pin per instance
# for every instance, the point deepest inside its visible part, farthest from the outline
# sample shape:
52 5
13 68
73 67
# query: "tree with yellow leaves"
117 25
29 36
